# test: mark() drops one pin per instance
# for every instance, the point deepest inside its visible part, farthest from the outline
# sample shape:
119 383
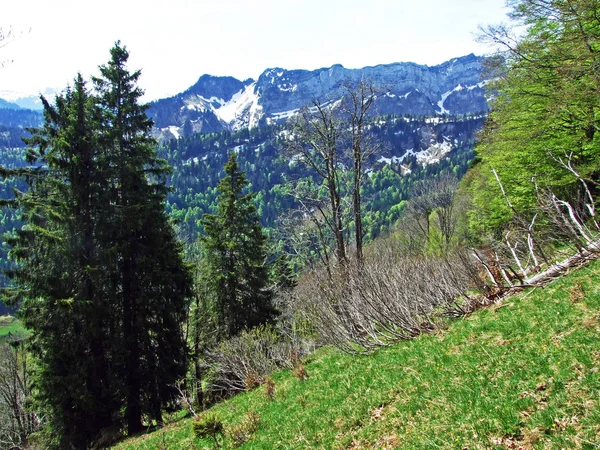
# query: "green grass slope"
523 374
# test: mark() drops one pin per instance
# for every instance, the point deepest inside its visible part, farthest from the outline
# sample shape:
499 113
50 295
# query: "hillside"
521 374
9 326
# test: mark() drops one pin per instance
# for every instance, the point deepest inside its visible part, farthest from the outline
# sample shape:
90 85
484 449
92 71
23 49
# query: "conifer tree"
101 281
150 283
56 280
236 255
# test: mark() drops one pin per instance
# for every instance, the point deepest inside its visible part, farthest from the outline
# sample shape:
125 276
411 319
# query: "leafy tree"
547 106
236 255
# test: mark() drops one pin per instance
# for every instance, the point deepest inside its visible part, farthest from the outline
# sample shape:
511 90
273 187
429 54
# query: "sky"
174 42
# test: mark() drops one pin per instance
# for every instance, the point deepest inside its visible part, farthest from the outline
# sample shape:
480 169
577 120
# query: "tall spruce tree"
236 255
101 281
56 278
150 283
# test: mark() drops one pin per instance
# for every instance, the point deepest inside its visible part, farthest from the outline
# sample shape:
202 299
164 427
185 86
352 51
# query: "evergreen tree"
56 280
150 284
101 281
236 255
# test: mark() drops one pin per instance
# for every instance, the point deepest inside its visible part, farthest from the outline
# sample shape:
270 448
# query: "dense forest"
198 161
220 258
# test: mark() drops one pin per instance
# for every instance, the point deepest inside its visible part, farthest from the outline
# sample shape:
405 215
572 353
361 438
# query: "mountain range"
213 104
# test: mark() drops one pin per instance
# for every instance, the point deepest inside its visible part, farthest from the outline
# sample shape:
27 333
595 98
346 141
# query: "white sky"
176 41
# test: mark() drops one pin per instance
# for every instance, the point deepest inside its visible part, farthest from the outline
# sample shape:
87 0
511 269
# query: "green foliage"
208 425
236 256
243 431
98 261
546 108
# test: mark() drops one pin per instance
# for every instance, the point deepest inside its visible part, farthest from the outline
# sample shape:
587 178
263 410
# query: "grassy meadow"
521 374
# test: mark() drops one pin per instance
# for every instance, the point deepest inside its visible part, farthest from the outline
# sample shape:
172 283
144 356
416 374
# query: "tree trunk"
133 408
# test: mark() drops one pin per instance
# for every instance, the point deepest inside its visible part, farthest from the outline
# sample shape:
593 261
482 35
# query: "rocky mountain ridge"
213 104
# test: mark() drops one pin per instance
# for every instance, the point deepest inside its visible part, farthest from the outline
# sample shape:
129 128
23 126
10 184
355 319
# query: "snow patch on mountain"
284 114
481 85
393 159
445 95
241 110
174 130
434 153
228 111
196 103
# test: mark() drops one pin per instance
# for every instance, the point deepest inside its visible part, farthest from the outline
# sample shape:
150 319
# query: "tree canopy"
546 108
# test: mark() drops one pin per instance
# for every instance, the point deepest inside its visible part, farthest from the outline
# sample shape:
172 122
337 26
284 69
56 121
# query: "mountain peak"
218 87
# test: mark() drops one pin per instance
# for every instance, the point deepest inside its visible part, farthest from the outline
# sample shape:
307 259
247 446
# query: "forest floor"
521 374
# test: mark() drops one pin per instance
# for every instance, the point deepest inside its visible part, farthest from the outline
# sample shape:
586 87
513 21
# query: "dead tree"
16 421
315 142
356 105
437 198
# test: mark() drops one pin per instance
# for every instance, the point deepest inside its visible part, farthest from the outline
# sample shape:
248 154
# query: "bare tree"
357 102
16 422
332 140
434 199
306 235
527 250
6 37
315 142
446 209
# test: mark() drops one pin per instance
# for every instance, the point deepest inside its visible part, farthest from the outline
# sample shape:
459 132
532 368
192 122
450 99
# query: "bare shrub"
576 293
269 388
300 372
17 422
390 297
243 362
252 380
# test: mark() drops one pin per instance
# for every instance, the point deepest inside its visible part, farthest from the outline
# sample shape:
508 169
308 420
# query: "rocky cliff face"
455 87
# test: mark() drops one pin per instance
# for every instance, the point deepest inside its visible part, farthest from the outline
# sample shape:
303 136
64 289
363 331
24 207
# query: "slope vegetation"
523 374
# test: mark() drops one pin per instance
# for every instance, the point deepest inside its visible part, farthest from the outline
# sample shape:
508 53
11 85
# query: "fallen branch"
589 253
